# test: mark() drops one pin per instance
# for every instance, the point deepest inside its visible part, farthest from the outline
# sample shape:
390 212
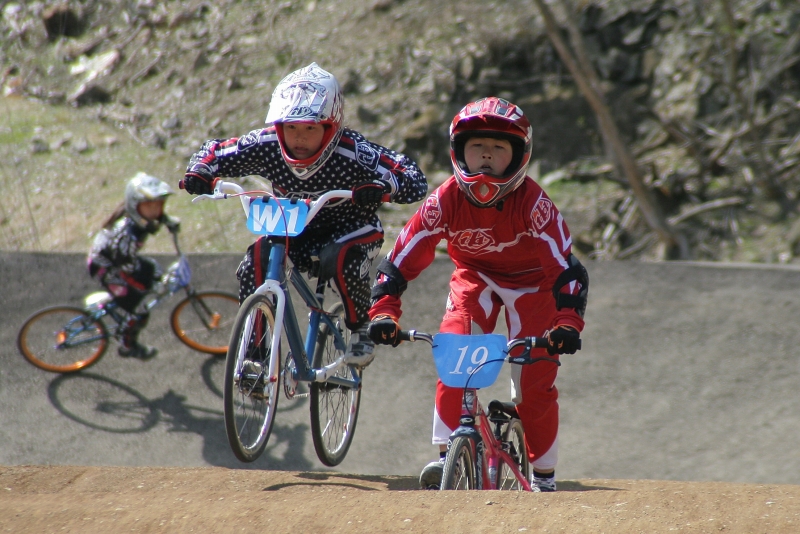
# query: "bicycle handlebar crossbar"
225 190
523 359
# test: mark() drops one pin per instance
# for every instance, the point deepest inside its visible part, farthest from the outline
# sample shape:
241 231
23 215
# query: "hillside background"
705 96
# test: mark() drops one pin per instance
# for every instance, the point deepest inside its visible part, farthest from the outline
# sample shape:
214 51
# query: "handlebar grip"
540 343
405 335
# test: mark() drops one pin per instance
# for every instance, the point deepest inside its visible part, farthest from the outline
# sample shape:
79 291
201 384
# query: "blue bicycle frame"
276 284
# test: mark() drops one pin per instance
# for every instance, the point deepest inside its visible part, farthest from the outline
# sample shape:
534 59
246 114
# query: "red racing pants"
473 307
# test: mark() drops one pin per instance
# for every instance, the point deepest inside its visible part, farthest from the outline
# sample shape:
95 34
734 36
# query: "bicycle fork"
468 428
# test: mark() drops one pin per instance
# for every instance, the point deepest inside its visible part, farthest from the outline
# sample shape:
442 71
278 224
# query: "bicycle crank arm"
324 373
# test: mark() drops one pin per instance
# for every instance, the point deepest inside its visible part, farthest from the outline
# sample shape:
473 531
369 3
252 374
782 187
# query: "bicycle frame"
285 315
475 424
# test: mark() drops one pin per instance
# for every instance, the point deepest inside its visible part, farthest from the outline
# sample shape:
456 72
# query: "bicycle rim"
250 401
203 321
459 466
62 339
514 437
334 409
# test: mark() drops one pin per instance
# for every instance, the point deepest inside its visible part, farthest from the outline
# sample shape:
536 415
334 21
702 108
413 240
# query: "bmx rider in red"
511 248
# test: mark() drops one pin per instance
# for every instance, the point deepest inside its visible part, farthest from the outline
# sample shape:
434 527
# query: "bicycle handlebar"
523 359
223 190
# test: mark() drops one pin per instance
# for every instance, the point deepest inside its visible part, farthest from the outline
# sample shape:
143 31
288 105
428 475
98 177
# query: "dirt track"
689 375
93 499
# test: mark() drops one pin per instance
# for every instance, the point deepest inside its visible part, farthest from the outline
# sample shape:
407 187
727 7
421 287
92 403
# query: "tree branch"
650 210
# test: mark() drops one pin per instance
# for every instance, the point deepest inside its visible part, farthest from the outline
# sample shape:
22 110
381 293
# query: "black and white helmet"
142 188
308 95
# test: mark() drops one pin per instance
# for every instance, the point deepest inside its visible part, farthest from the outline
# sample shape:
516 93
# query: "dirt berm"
681 413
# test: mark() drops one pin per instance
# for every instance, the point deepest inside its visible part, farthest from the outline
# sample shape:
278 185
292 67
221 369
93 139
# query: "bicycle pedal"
300 395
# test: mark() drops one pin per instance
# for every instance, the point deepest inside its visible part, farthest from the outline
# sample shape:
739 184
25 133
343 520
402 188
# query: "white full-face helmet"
308 95
143 188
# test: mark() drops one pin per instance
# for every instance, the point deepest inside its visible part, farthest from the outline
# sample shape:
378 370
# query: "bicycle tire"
459 466
515 437
249 404
62 339
202 321
334 409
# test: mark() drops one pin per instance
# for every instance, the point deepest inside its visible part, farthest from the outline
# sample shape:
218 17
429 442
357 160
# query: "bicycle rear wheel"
514 436
251 398
203 320
334 409
62 339
459 466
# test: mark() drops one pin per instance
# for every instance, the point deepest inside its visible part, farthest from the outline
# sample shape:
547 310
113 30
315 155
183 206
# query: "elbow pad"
576 272
395 283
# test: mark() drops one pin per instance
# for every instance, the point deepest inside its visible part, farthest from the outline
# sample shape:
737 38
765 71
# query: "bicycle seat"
508 408
99 298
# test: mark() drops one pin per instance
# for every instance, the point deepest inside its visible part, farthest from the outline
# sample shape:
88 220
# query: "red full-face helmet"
495 118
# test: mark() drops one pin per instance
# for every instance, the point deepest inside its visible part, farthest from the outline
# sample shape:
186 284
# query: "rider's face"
487 155
303 140
151 210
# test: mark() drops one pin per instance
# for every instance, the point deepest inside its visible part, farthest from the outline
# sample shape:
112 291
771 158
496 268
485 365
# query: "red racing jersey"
523 245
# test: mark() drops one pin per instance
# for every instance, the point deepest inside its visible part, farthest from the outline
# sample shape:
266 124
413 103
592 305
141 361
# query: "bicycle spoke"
203 321
459 466
514 444
334 408
250 396
62 339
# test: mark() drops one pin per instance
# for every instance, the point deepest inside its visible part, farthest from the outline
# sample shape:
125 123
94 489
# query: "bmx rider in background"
114 259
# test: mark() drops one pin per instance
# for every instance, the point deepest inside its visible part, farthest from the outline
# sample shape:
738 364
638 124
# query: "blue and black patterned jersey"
354 160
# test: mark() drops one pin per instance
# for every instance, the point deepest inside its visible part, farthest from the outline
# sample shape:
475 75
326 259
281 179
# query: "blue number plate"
459 357
277 217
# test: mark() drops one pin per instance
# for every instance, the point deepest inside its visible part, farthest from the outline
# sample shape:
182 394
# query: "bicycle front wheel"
62 339
203 320
514 437
459 466
334 408
250 393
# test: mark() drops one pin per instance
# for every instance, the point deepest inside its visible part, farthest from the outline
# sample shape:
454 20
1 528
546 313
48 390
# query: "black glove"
173 224
370 193
197 184
384 330
563 340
